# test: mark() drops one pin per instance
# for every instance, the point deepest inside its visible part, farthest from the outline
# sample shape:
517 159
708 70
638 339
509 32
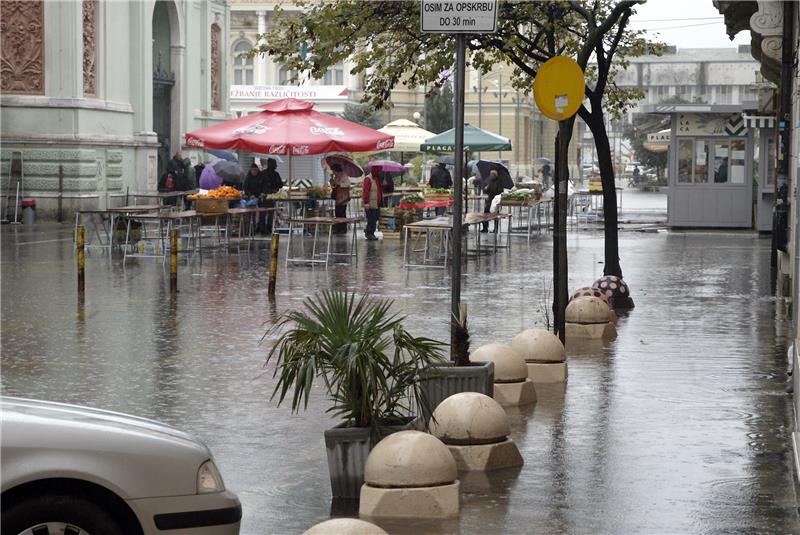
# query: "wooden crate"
204 205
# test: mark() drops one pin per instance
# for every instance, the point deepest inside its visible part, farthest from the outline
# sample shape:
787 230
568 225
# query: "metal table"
316 222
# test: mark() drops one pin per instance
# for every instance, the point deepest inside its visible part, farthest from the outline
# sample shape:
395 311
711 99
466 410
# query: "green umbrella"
475 139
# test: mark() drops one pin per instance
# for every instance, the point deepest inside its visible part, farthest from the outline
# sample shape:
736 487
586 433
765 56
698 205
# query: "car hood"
140 457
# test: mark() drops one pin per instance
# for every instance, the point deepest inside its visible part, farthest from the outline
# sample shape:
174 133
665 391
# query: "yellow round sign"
559 88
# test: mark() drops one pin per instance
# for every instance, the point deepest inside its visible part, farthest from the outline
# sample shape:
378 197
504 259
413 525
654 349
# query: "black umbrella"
503 175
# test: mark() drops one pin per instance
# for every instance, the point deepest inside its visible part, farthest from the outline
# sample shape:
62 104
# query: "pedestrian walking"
492 190
372 198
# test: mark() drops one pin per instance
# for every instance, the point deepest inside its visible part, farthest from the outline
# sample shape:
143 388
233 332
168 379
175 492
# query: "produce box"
205 205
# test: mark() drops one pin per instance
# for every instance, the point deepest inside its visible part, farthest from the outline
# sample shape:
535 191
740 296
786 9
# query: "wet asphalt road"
680 425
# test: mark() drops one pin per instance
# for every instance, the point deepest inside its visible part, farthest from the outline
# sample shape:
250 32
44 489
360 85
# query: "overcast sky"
686 24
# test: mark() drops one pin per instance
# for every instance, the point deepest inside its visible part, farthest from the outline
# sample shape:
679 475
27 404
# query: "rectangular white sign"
275 92
459 16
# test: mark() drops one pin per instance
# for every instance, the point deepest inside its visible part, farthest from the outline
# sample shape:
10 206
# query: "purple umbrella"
387 166
221 171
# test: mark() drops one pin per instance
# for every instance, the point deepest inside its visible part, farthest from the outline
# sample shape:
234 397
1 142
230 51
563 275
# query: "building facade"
97 94
712 76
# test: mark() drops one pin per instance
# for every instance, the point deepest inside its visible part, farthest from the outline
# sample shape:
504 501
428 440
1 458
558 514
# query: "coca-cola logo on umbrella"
322 130
301 150
277 149
251 129
194 142
385 144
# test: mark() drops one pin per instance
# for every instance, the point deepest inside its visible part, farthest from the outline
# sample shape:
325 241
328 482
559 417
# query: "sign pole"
455 275
560 290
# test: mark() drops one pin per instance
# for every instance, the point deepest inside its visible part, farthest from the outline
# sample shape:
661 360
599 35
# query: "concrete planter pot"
348 449
448 380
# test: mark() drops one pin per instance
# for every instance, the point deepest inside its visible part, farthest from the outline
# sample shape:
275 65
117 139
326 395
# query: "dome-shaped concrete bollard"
410 474
475 429
512 387
345 526
588 317
544 355
617 291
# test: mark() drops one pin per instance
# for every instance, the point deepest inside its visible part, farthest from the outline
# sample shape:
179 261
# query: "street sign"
459 16
559 88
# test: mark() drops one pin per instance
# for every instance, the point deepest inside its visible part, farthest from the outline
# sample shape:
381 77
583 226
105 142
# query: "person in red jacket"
372 197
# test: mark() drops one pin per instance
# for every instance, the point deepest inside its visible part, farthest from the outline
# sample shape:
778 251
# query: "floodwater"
680 425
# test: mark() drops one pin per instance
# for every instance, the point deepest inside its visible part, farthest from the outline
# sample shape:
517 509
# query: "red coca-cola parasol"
290 127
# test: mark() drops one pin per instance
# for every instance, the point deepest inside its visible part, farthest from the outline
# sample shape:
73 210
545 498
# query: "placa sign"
459 16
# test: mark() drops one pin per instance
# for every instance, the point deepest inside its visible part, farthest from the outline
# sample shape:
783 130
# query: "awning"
759 121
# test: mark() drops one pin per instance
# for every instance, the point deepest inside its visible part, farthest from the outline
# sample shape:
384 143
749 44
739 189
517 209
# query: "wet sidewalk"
680 425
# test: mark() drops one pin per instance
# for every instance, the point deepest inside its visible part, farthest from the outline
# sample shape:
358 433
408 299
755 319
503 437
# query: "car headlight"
208 478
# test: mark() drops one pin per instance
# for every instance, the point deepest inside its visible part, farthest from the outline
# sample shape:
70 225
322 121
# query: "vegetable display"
222 192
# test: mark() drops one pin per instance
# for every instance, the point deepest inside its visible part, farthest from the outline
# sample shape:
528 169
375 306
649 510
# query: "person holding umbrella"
372 197
492 190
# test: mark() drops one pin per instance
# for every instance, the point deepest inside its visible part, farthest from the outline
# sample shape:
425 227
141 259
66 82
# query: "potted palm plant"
370 366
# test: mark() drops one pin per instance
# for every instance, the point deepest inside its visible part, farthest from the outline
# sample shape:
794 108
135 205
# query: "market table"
112 214
291 213
94 216
534 209
443 226
320 258
241 213
166 221
161 196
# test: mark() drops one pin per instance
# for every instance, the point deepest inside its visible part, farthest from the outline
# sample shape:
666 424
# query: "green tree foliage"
439 110
636 133
363 115
383 40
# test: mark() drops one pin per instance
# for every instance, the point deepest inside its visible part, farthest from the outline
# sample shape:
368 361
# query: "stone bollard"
616 290
591 291
589 317
475 429
410 474
512 387
544 355
344 526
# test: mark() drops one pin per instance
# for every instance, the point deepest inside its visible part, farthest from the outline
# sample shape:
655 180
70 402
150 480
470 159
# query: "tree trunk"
610 221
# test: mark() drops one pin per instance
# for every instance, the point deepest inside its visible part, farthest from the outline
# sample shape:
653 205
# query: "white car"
72 470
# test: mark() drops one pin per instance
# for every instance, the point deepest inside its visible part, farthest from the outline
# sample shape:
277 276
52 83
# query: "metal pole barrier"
81 257
173 261
60 192
455 274
273 264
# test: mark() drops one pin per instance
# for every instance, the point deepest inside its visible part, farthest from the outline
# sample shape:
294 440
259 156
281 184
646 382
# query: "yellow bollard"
173 260
273 264
81 257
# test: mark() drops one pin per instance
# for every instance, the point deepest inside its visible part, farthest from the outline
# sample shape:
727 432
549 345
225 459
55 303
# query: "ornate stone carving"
22 46
768 22
216 67
89 47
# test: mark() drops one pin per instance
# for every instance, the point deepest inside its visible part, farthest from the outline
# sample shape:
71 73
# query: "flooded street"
680 425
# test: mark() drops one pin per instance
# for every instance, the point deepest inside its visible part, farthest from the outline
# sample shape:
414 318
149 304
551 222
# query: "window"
721 159
242 67
685 152
701 161
737 161
335 75
287 76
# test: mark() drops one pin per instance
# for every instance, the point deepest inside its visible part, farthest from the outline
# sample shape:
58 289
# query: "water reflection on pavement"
680 425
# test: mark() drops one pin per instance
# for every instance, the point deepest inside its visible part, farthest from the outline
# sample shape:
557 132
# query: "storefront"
711 164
